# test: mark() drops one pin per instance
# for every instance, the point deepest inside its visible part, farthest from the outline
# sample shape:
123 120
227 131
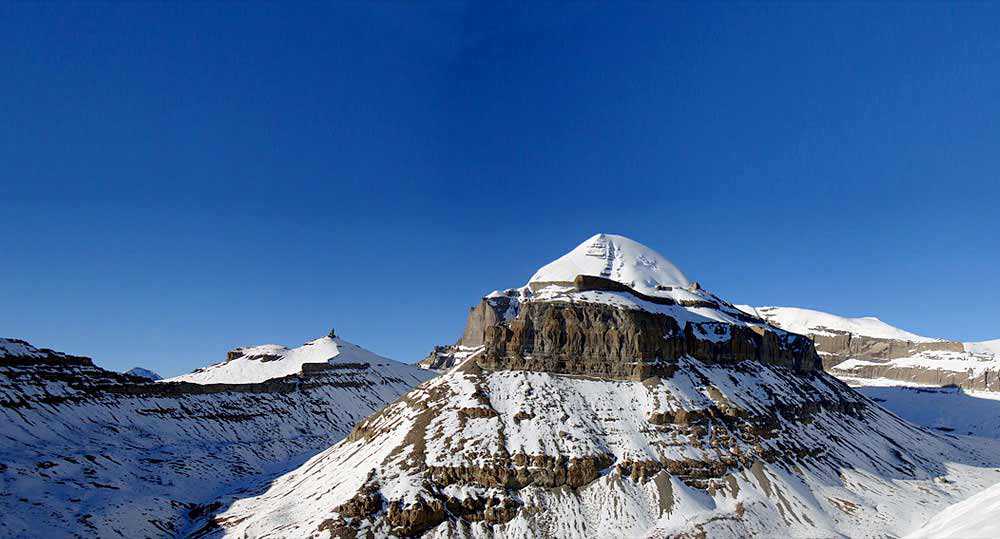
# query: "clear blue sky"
178 181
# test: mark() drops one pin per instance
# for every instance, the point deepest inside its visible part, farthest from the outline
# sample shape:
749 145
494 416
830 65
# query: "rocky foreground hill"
613 397
86 452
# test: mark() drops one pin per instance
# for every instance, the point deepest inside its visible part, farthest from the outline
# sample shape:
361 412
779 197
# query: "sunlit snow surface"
617 258
975 518
260 363
808 321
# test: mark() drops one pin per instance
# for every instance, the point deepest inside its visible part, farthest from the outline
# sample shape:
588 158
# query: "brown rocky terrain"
844 345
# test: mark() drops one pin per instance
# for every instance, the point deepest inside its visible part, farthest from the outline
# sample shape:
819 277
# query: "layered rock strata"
867 348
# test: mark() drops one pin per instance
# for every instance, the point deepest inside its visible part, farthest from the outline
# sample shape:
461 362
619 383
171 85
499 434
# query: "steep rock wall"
609 342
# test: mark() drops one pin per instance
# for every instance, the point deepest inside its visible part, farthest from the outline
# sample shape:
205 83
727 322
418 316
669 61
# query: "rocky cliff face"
843 345
598 339
90 452
601 410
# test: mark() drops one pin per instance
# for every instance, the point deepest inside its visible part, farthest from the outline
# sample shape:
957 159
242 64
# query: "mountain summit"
613 257
144 373
612 398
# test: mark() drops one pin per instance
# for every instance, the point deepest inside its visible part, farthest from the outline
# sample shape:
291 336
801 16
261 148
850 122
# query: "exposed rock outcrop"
838 346
602 340
975 379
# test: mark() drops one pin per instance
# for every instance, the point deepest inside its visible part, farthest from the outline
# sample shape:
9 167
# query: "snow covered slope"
509 453
594 409
991 348
975 518
810 322
86 452
260 363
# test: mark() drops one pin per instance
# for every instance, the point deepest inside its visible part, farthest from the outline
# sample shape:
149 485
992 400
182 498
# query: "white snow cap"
261 363
617 258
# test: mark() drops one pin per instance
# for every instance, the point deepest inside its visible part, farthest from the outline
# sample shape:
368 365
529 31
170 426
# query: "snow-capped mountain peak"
144 373
257 364
616 258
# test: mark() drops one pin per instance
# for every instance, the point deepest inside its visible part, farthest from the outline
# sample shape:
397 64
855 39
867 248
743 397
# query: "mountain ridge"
867 348
89 451
580 406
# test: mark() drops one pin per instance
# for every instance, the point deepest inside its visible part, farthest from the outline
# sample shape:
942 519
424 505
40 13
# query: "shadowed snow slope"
947 409
593 410
87 452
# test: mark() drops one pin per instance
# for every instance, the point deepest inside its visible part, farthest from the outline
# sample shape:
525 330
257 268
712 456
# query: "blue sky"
178 181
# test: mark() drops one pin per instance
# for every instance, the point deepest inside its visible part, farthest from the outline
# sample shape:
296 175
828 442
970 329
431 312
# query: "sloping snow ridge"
975 518
260 363
617 258
810 322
